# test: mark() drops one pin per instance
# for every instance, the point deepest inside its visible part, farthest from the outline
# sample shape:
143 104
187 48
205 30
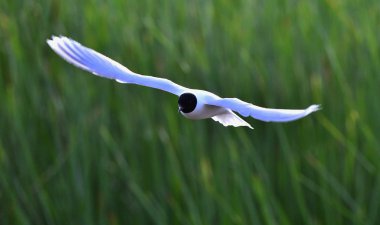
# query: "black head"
187 102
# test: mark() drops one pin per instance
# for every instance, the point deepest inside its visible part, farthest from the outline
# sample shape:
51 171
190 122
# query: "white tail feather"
231 119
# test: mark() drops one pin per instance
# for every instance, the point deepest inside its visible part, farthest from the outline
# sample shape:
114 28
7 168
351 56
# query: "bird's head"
187 102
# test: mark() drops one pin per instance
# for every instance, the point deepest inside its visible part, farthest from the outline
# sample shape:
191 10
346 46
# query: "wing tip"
314 108
55 39
50 40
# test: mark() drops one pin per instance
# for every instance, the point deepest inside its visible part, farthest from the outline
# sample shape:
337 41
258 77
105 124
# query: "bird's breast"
203 111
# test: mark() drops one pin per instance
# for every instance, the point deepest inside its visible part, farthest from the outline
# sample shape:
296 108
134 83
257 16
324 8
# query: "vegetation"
79 149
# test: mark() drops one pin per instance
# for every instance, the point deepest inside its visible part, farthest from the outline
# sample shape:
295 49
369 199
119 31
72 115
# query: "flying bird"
192 103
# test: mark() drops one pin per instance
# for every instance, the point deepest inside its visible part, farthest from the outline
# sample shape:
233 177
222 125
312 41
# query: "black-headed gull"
192 103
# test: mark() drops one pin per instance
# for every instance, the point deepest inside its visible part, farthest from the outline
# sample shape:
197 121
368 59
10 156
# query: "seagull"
192 103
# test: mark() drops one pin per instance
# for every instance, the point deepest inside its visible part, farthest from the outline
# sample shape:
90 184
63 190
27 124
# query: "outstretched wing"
100 65
260 113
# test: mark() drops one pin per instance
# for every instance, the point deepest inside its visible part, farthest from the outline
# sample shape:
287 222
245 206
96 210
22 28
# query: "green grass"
79 149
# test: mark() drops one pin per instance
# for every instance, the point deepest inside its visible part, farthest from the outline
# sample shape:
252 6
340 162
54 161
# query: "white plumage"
193 104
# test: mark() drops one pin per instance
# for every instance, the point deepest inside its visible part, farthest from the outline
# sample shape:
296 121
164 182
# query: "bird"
193 104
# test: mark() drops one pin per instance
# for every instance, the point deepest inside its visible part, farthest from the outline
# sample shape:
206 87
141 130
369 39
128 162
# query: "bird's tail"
231 119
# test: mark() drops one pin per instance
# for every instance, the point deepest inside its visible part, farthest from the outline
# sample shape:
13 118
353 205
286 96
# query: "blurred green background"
79 149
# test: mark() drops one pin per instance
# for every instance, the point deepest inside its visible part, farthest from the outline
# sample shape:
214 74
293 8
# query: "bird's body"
204 111
193 104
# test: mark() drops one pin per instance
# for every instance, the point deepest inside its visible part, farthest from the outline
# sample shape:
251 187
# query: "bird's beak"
179 109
